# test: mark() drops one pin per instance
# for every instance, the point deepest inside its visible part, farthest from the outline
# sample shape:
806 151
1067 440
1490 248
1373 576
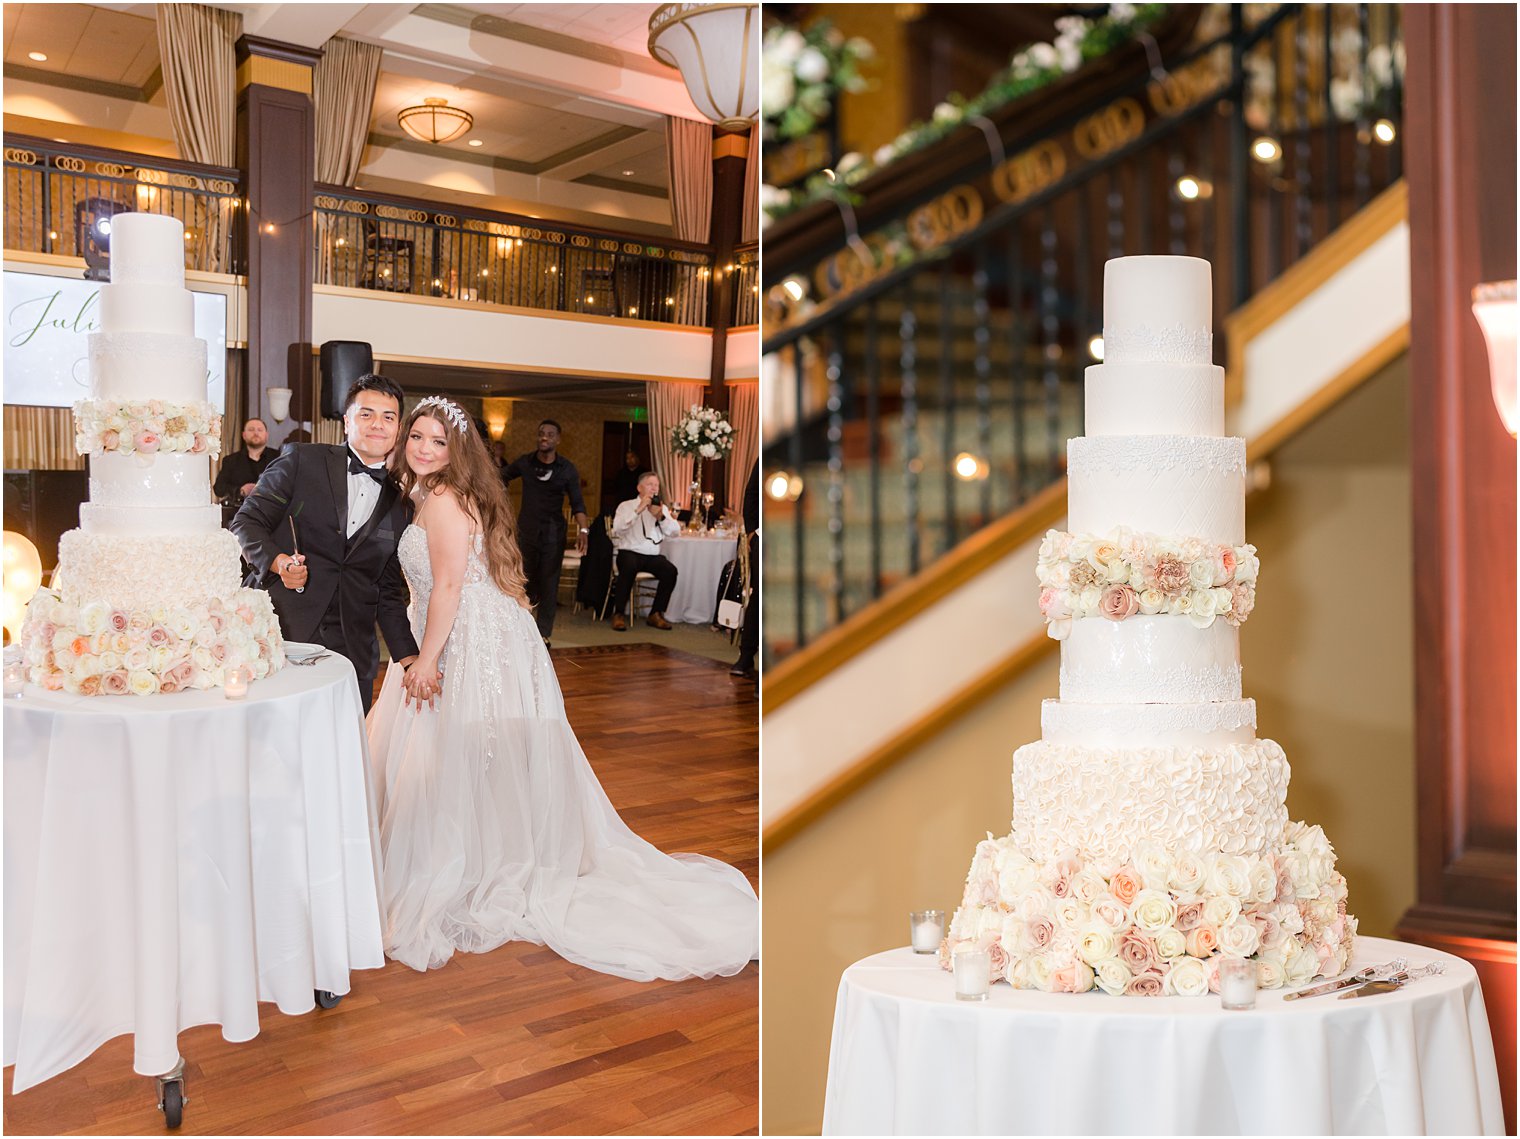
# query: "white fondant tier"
1163 659
154 481
1183 486
147 365
1103 803
144 572
165 309
149 521
1154 399
1149 725
147 249
1158 309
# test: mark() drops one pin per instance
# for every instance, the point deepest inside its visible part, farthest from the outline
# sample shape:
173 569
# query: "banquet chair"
570 577
644 585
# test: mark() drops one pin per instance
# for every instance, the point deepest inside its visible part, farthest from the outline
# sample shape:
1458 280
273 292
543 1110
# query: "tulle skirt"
495 829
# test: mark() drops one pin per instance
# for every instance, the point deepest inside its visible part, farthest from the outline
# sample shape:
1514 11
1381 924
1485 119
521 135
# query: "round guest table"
908 1058
700 559
174 860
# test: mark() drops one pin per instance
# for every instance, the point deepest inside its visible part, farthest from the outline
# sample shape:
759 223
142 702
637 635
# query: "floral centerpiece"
702 433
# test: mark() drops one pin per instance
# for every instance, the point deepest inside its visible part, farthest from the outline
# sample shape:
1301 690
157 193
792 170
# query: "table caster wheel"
328 1000
171 1096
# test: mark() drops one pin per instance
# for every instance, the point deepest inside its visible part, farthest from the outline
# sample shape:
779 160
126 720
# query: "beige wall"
1328 657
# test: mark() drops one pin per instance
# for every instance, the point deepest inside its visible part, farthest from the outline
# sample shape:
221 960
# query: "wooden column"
276 151
1459 156
730 152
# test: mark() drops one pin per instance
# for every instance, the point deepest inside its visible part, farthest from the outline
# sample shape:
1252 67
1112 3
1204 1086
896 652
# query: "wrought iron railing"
929 370
55 196
402 245
746 272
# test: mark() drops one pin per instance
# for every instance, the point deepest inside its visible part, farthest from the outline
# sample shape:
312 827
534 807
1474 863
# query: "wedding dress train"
494 827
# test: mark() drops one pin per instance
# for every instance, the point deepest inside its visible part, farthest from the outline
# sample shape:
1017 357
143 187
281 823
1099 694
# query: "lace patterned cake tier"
1149 725
153 481
1146 344
148 572
147 365
1154 399
1160 484
160 523
1150 660
1104 803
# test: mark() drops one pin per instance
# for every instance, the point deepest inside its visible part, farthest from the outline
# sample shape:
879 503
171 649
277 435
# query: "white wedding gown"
494 827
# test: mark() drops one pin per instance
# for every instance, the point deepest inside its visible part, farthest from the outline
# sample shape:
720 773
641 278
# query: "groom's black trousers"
330 636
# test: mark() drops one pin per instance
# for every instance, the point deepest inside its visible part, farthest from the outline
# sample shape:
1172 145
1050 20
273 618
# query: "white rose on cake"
1269 971
1153 910
1111 975
1221 910
1239 938
1096 943
1170 942
1187 978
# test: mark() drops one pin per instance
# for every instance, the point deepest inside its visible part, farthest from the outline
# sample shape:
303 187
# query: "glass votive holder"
15 678
1237 983
973 973
237 684
926 929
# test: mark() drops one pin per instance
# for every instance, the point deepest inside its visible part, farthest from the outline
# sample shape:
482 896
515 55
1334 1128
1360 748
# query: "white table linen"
700 561
907 1058
174 860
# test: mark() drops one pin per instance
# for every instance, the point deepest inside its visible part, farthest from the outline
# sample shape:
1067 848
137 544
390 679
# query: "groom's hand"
292 571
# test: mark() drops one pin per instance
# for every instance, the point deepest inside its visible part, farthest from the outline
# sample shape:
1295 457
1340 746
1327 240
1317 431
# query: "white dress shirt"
637 531
363 493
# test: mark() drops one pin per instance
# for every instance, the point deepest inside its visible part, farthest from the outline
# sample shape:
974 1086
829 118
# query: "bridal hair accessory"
451 410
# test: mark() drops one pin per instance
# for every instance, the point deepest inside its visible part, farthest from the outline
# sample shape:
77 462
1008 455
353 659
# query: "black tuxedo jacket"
309 483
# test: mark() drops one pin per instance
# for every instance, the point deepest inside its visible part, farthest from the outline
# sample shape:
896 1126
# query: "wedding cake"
148 597
1150 830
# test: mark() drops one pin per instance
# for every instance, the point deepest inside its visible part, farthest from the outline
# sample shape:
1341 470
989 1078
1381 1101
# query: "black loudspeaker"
343 362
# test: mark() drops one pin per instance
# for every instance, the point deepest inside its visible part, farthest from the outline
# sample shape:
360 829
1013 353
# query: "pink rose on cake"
1224 565
114 683
1111 912
1125 884
1168 575
1118 602
1137 951
1145 985
1202 940
1073 978
146 442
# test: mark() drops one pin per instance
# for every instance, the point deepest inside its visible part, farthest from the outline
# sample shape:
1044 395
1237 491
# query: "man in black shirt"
625 484
548 477
240 471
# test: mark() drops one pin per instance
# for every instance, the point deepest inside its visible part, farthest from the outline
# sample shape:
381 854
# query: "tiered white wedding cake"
1150 832
148 597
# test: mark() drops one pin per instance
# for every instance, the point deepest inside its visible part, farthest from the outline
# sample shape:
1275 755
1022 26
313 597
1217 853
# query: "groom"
334 573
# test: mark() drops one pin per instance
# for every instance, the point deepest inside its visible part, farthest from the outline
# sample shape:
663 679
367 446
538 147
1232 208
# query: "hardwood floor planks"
517 1041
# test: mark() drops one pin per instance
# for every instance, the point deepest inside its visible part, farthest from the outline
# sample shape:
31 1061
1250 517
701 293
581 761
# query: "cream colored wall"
1328 657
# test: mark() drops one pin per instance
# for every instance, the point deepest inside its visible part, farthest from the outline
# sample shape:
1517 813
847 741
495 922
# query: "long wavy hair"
472 475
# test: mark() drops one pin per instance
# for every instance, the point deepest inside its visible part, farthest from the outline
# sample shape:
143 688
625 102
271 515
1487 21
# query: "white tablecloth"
908 1058
173 860
700 562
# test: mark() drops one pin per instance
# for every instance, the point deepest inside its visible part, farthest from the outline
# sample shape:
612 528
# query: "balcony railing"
930 370
370 241
56 196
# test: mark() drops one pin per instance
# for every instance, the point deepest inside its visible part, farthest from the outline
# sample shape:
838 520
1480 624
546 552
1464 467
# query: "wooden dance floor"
516 1041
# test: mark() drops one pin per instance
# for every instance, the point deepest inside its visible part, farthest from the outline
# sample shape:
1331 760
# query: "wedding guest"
638 528
749 635
625 484
548 479
240 471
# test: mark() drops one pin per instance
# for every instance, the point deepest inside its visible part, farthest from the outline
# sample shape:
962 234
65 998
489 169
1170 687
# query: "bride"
493 825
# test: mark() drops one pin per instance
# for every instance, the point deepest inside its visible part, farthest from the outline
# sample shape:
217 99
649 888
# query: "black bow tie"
357 467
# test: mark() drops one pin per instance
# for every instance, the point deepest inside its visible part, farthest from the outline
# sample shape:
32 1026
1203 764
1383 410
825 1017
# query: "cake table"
908 1058
173 860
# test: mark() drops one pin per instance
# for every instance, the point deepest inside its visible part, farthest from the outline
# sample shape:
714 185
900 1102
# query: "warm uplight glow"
1095 348
342 241
52 235
670 300
783 486
1188 188
21 578
969 467
1384 131
1266 149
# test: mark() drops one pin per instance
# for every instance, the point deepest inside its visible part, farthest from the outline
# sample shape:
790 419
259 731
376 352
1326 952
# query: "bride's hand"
422 682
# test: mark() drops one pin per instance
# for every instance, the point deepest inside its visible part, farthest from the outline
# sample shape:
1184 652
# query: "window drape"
668 405
343 93
744 414
749 227
199 63
688 147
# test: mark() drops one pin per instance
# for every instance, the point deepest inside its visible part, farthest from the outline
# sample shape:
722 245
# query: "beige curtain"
744 414
195 47
688 145
749 229
40 439
343 91
668 405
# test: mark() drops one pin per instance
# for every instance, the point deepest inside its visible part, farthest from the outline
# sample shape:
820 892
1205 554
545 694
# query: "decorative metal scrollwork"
1187 86
112 170
631 247
607 245
1103 132
70 163
448 221
18 157
945 218
325 202
1029 172
475 225
398 213
533 234
580 241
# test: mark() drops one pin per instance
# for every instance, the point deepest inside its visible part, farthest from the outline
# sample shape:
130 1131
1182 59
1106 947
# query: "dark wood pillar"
730 152
1460 166
276 151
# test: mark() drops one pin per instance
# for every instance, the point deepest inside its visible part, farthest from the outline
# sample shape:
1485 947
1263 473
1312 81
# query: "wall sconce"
279 403
1494 306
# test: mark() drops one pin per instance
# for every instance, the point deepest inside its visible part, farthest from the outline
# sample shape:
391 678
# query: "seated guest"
625 484
638 528
240 471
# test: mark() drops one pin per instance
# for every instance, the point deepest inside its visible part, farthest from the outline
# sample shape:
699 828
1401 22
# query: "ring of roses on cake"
1125 574
93 649
147 427
1158 924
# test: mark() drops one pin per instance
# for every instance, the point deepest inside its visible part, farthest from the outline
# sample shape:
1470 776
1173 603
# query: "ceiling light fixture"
36 56
627 173
477 142
716 48
435 121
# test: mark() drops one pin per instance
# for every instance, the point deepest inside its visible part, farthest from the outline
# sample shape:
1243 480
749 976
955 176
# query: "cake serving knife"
295 547
1361 978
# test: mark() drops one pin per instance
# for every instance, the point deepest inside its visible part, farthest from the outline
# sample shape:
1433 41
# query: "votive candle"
1237 983
973 974
15 678
237 685
927 930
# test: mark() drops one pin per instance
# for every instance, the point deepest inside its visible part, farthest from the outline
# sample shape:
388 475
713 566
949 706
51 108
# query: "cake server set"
1371 973
1396 982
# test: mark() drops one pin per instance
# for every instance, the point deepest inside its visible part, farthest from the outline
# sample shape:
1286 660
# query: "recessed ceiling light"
627 173
476 142
37 56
